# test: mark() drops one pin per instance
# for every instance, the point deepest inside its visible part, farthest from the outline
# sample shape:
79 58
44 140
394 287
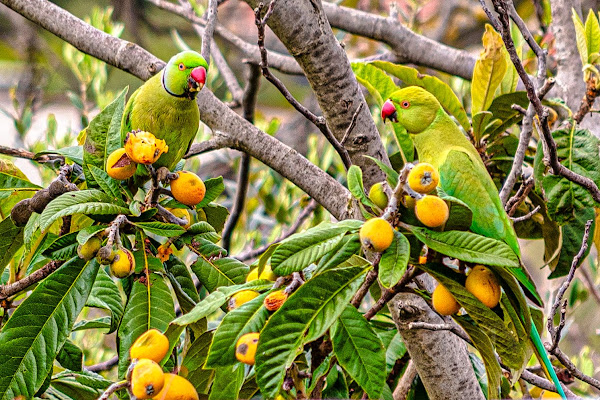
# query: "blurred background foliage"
49 91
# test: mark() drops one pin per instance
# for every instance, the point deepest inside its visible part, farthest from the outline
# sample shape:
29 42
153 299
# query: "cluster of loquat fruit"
245 348
377 235
146 377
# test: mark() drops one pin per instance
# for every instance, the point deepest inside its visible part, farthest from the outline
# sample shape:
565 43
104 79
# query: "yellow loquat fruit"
432 211
423 178
152 345
119 165
177 388
376 234
245 348
443 301
188 188
123 263
483 284
147 379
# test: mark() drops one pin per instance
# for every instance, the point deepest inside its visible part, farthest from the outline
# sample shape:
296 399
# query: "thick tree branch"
13 288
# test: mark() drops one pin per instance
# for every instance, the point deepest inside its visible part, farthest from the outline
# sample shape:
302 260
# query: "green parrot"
165 106
463 175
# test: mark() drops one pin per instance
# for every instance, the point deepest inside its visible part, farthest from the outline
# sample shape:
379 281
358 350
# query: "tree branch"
211 19
11 289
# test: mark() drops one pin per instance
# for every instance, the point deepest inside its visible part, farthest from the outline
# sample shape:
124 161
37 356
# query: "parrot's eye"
181 67
405 104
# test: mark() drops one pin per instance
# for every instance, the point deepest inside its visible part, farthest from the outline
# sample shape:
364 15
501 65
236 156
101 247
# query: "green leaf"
98 323
73 153
194 363
219 272
394 261
392 176
228 382
207 248
214 188
161 228
580 36
460 217
501 109
483 344
347 247
572 238
300 250
103 136
405 143
578 151
304 317
469 247
182 283
206 307
356 187
359 351
249 317
70 357
109 185
441 90
489 70
11 182
11 241
511 77
63 248
88 232
91 202
216 215
105 294
150 306
82 385
39 327
377 82
592 33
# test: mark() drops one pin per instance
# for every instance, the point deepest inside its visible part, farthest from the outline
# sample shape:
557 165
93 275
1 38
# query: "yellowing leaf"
489 71
592 34
580 36
511 77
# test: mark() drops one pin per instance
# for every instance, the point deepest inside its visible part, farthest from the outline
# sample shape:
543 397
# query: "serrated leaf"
103 136
572 238
501 109
107 184
394 261
249 317
11 181
348 246
578 151
106 295
356 187
63 247
300 250
98 323
70 357
392 176
592 33
469 247
216 215
182 283
91 202
227 383
150 305
88 232
161 228
359 351
206 247
11 241
489 70
194 363
304 317
219 272
214 188
39 327
580 37
441 90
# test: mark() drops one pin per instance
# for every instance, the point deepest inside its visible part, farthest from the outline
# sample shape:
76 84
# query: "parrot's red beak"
198 76
388 111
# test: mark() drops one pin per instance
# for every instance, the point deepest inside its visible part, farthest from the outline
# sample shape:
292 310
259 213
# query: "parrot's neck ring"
164 84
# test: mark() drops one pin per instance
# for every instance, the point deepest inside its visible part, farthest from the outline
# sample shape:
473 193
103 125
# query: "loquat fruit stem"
113 388
170 217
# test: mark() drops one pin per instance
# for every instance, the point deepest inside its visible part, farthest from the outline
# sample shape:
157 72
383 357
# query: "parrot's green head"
413 107
185 74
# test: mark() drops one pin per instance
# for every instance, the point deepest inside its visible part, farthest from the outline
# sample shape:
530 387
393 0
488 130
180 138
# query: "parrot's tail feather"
540 353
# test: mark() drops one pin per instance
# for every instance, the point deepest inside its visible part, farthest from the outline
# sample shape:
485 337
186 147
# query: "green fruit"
88 250
378 196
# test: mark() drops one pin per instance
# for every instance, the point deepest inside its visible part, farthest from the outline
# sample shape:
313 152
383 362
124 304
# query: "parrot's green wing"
465 178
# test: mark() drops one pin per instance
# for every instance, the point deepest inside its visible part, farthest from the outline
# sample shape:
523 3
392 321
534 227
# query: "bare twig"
526 216
514 202
113 388
248 105
22 153
405 382
441 327
312 205
319 122
369 280
592 91
493 20
211 18
550 148
103 366
352 124
555 333
387 295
